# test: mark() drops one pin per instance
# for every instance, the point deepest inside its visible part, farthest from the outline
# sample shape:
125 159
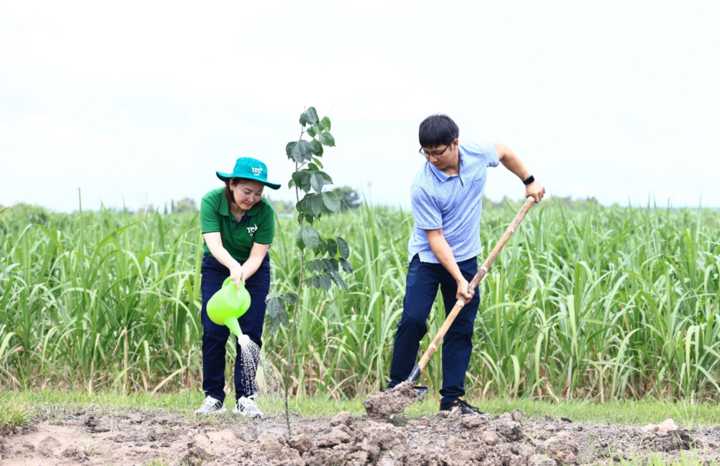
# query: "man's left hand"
535 189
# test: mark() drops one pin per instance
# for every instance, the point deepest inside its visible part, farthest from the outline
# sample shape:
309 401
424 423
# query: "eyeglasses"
435 154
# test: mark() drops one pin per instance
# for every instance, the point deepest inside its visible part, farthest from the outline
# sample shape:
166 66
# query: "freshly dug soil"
383 405
447 439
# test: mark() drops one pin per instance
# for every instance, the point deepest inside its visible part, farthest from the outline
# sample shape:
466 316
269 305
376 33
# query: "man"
447 203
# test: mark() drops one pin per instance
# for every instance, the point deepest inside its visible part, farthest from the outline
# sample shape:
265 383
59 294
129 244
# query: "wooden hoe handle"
473 284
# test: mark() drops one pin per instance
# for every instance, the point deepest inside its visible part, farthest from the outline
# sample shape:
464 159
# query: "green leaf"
326 177
316 160
289 148
325 124
309 238
302 151
346 266
303 180
317 148
316 204
312 166
317 181
331 247
310 266
290 300
315 281
326 139
325 282
312 131
338 280
326 266
303 205
311 116
291 183
309 218
331 201
276 315
303 118
343 248
297 178
334 266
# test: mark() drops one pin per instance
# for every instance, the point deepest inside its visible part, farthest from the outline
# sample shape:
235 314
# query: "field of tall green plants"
597 303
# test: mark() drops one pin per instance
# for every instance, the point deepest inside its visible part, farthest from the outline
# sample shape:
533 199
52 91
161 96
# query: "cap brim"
227 176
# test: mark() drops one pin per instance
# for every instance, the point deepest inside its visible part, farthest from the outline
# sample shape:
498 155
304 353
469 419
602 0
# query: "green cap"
250 169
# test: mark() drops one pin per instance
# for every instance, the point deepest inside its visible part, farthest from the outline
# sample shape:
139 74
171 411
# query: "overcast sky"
140 101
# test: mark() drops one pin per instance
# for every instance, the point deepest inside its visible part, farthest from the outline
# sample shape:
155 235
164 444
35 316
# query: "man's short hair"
438 130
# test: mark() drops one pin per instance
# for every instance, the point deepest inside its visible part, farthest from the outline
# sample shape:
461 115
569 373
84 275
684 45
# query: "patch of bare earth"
445 439
383 405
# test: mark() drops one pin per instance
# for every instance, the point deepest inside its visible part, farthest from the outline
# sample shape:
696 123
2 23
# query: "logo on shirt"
256 171
252 230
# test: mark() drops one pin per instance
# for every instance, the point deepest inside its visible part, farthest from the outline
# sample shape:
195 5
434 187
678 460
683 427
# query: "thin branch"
295 314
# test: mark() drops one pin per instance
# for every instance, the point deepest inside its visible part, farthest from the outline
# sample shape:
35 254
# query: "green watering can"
228 305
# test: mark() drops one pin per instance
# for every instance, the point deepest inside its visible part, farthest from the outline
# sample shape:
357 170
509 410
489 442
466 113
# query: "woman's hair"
228 192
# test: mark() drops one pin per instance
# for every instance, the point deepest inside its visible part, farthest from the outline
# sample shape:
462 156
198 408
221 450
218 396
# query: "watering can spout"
234 326
228 304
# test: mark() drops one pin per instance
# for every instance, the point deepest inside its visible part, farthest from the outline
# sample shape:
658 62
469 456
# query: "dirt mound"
446 439
383 405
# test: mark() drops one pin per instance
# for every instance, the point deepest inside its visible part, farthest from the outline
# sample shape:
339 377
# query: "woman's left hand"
236 274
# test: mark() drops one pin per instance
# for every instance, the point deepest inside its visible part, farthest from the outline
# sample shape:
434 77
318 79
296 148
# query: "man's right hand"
464 291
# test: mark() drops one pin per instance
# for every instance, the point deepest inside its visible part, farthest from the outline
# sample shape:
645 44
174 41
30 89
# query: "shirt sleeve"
486 150
425 209
491 154
209 215
266 228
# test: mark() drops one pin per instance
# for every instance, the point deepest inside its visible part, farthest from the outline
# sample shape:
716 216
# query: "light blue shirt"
451 203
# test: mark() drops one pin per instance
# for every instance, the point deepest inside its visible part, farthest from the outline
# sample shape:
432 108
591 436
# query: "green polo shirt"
257 226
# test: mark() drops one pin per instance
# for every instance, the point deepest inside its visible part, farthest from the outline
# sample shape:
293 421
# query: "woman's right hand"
236 274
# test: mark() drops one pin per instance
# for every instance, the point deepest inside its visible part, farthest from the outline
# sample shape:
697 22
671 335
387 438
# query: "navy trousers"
423 279
215 336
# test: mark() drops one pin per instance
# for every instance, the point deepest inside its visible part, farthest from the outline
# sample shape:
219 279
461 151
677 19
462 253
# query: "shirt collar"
442 177
224 208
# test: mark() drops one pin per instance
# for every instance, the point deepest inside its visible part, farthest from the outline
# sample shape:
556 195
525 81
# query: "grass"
28 404
14 412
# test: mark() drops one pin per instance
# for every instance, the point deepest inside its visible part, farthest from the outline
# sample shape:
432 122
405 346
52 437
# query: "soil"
384 405
447 438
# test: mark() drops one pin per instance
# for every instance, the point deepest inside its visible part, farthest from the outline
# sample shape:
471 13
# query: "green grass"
14 411
31 403
601 303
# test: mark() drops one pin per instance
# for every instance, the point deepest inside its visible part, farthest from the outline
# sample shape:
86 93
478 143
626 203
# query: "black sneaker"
464 407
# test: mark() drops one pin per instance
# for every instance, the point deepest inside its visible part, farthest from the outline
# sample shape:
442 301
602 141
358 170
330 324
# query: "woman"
238 225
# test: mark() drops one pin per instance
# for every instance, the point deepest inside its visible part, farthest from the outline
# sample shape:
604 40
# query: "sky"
136 103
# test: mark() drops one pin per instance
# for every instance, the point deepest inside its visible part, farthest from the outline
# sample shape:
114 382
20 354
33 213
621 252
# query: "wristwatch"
528 180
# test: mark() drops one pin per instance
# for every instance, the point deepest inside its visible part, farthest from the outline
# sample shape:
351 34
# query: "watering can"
228 305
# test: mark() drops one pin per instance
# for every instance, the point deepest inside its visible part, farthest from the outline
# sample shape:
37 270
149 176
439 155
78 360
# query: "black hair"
438 130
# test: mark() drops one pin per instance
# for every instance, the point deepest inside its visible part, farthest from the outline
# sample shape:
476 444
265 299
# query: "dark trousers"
421 288
215 336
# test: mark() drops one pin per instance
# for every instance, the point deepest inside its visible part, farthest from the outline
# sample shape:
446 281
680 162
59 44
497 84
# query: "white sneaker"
247 407
211 406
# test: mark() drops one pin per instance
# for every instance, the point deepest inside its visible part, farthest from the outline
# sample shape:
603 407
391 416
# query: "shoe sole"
212 413
485 415
251 416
